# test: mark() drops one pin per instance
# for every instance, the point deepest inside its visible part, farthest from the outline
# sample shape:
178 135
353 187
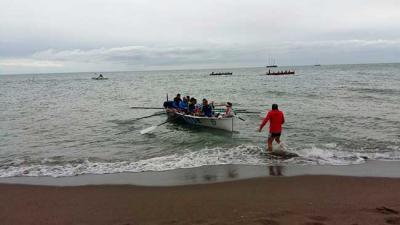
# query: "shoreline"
214 174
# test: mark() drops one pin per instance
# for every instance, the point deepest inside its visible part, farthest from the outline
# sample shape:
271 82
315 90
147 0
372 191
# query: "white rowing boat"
212 122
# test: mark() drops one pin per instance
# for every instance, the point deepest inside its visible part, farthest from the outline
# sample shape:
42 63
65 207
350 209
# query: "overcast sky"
107 35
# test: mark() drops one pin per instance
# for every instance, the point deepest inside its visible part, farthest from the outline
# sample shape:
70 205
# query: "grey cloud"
154 56
82 34
137 55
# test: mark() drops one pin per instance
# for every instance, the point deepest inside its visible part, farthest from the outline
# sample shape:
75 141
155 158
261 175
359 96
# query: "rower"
177 100
192 105
183 105
207 109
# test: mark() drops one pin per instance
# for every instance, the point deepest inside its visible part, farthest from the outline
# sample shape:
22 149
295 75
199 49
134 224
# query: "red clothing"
276 119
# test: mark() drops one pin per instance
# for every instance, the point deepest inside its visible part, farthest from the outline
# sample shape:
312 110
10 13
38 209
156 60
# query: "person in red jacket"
276 119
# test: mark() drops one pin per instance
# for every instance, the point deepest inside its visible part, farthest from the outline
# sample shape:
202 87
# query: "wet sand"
213 174
311 200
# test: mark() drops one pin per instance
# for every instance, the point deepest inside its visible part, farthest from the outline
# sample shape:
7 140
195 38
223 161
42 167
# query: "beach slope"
273 200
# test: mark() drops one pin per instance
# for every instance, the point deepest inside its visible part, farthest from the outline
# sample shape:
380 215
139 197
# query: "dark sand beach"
309 199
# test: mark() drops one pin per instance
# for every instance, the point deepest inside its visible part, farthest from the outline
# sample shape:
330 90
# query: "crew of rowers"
190 106
281 72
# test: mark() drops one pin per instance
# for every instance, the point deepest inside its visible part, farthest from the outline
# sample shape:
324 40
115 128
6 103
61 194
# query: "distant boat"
220 73
100 77
317 65
277 73
271 66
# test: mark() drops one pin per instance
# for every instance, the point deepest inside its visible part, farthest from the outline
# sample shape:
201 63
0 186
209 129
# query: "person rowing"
183 105
276 119
176 102
192 106
207 109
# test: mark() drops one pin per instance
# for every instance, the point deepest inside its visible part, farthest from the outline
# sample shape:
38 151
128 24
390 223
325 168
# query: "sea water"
68 124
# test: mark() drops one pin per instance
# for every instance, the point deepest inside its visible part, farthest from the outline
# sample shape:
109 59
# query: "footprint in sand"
393 220
318 218
386 210
170 222
280 214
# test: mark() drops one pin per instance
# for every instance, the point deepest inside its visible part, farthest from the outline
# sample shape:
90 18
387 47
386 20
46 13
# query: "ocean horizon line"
199 69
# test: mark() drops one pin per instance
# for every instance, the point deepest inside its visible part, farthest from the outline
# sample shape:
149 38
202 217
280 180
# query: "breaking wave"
242 155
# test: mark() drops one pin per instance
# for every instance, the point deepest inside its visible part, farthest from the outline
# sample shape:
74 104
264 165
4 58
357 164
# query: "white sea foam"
242 154
325 156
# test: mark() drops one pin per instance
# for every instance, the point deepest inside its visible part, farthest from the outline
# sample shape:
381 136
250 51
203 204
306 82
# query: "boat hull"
211 122
220 74
279 74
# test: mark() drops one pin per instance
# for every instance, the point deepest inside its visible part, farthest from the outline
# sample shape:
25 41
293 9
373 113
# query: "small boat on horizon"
100 77
220 73
276 73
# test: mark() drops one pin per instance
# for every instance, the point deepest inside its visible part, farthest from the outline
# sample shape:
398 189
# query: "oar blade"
147 130
240 118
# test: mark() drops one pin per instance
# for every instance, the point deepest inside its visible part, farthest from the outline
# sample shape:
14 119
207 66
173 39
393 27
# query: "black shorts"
274 135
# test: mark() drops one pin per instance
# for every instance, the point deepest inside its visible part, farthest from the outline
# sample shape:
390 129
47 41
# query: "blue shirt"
207 110
175 105
183 105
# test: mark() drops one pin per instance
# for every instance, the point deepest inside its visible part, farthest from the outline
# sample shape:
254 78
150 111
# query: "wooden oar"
236 110
149 129
141 107
246 112
240 118
144 117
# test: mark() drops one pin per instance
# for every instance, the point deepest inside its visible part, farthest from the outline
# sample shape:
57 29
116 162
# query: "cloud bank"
100 35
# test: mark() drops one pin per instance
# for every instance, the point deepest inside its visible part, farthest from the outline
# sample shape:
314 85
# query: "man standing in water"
276 119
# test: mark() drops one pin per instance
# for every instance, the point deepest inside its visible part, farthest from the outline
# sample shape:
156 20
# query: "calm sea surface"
69 124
